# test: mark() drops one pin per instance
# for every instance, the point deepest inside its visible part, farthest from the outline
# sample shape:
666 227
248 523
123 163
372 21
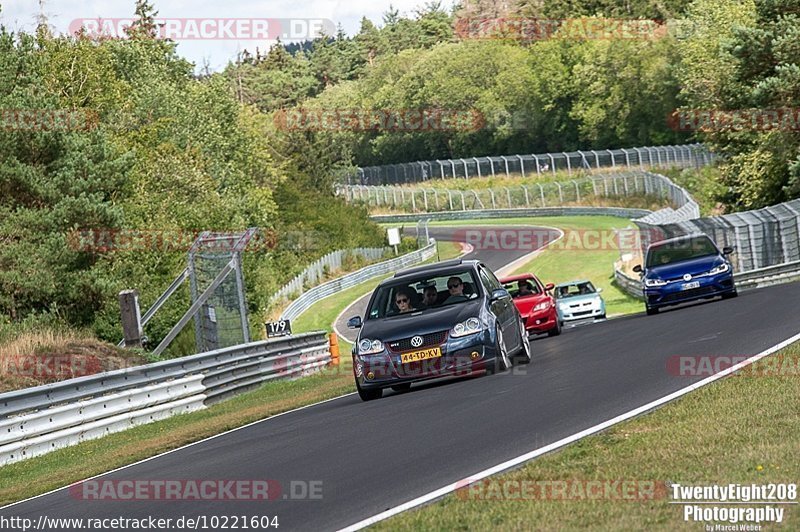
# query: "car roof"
435 267
518 277
570 283
678 239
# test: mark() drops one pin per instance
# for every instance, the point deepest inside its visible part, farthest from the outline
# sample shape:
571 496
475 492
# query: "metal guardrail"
310 297
771 275
510 213
317 270
538 164
38 420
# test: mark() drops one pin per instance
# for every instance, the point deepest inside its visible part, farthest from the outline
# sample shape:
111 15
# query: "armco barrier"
305 301
38 420
510 213
772 275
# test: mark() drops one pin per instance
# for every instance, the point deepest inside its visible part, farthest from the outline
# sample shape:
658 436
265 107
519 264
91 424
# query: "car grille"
685 294
582 313
428 340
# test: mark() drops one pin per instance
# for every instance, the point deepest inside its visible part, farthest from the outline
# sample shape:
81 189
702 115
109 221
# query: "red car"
534 302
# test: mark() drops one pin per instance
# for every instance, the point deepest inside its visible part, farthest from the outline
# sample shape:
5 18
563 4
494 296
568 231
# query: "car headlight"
654 282
465 328
722 268
369 347
542 306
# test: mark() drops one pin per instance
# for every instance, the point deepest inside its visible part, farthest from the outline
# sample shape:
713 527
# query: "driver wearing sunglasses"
456 288
403 301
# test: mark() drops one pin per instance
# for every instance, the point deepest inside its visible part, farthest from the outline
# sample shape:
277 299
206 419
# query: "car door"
503 308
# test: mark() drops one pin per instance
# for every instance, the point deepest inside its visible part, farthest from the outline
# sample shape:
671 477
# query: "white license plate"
689 286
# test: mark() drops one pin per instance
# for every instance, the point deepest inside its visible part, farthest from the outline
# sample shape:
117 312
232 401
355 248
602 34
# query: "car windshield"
522 288
575 289
424 292
680 250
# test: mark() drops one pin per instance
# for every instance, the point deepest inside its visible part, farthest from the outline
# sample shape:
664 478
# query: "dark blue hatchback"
684 269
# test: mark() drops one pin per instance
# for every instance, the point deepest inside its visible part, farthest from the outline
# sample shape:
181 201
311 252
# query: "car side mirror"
500 293
728 250
549 286
599 290
638 268
354 322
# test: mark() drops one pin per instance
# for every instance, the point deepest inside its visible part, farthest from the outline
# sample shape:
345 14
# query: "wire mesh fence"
635 183
222 319
533 164
761 238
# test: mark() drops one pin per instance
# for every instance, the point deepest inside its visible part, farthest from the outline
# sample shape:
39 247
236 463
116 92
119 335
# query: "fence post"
477 165
491 165
560 194
131 318
536 161
577 192
508 195
506 162
527 200
596 159
541 193
613 162
491 193
463 203
425 198
569 166
521 165
552 163
450 198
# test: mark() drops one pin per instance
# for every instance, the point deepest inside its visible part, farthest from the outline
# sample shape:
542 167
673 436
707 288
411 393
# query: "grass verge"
576 256
741 430
321 315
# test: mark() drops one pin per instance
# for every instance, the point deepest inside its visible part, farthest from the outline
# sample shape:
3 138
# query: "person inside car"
524 289
403 300
430 296
456 288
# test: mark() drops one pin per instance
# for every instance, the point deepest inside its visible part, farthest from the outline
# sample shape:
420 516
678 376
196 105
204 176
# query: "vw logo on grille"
417 341
687 277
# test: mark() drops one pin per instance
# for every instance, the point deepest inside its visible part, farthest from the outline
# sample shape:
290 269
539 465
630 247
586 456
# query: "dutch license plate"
424 354
689 286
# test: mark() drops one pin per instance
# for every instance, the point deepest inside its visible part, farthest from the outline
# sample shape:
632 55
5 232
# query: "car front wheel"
555 331
524 355
369 395
501 361
651 311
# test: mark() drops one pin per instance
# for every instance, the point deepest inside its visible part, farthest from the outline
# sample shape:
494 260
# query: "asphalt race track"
374 456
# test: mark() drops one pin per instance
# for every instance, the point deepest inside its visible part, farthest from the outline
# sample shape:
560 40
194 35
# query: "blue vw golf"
683 269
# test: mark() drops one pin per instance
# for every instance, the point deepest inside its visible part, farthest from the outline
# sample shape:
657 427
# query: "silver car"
579 300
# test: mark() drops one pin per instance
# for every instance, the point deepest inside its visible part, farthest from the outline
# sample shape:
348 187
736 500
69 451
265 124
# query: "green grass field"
568 261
